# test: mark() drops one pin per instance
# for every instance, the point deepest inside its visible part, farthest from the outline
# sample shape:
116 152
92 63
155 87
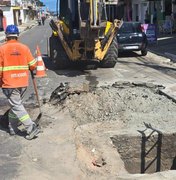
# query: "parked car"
131 37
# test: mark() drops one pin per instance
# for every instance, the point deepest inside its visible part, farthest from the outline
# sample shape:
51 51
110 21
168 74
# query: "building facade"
16 12
151 9
140 10
159 12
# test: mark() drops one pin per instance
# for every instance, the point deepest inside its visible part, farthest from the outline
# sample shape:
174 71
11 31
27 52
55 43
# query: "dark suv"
131 37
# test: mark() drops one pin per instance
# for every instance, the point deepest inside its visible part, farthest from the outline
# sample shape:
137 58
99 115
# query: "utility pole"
57 3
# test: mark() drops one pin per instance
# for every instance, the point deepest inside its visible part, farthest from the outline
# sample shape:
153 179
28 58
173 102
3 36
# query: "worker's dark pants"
17 111
43 22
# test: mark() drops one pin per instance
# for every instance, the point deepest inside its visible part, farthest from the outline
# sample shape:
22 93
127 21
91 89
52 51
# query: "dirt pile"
129 103
106 114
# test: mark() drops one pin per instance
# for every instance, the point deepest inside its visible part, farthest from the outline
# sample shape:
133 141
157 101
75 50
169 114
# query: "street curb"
171 56
157 53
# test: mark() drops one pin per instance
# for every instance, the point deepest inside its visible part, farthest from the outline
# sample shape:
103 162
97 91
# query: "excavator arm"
85 33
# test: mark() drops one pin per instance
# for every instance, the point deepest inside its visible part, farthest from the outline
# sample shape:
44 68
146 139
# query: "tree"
39 3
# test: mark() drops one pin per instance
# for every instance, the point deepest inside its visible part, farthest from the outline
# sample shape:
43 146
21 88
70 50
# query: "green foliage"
39 3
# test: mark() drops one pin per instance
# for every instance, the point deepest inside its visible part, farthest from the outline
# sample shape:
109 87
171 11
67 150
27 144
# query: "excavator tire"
111 57
57 53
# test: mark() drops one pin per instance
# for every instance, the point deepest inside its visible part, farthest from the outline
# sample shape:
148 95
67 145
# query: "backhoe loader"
83 32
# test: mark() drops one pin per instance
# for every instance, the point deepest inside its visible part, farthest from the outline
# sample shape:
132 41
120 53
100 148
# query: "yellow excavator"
84 32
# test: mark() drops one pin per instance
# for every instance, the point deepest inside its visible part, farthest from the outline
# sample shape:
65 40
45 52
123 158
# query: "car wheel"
144 52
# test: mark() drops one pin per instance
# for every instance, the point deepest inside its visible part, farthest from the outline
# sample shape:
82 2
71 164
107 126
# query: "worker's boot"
4 120
11 122
4 123
13 127
11 130
32 131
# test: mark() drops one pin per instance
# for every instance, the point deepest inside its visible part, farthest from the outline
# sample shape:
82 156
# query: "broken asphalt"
164 47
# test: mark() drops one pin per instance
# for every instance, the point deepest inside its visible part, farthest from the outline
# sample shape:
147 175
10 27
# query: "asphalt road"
130 67
37 36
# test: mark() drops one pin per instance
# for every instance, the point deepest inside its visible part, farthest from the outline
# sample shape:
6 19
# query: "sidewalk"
22 28
165 46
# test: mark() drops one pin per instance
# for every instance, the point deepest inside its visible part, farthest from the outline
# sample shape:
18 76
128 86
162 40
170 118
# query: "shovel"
37 96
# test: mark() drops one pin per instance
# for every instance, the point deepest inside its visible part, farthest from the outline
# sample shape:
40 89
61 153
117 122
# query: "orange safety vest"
15 62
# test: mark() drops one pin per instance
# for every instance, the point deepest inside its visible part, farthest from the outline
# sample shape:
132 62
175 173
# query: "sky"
51 4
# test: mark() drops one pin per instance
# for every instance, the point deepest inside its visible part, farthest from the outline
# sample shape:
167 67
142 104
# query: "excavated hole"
137 108
147 154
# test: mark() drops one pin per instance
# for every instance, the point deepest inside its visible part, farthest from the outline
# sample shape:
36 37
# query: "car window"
138 27
130 28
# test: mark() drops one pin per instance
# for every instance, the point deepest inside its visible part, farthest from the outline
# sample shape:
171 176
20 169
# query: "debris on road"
62 92
99 162
102 126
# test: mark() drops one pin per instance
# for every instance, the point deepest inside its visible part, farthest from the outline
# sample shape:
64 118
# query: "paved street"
95 122
64 155
165 45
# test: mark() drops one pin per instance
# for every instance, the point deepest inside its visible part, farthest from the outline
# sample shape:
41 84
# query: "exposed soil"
81 133
102 113
129 104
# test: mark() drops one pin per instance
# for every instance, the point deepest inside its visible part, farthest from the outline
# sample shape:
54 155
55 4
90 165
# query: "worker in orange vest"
15 62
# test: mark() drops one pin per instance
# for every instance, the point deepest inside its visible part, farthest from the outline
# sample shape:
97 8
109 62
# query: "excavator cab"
83 33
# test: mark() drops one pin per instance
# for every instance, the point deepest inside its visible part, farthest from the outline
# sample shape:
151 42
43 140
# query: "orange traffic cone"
40 71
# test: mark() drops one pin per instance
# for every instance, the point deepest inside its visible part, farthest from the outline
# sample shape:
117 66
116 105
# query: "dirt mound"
107 125
131 104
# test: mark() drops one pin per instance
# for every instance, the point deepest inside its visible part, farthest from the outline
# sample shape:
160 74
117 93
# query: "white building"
139 9
163 8
16 12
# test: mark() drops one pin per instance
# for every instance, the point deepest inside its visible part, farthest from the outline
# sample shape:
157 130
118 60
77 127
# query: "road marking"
164 38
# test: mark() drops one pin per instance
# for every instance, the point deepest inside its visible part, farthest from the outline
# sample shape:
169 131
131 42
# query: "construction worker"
15 62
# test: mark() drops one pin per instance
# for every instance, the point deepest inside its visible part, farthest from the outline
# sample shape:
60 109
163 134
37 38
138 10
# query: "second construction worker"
16 61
